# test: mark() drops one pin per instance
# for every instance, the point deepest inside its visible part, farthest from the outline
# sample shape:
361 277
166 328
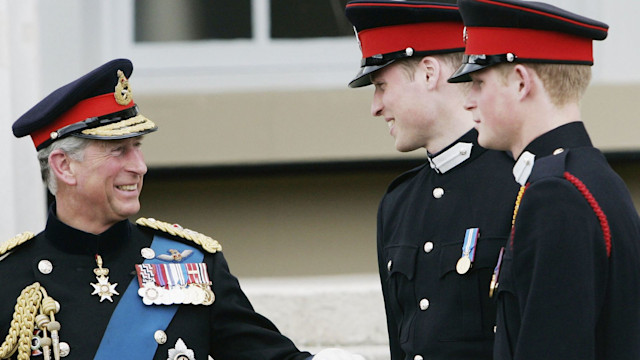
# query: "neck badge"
103 287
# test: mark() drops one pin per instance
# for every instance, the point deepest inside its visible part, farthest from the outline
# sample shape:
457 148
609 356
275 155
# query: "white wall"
22 205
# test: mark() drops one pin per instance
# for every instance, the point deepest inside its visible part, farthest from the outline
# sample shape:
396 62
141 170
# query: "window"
226 45
187 20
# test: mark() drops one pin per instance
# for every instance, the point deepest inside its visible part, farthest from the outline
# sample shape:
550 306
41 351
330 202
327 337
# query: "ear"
524 77
431 67
61 167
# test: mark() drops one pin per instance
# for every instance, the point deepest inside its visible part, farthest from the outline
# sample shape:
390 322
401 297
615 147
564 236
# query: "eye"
117 150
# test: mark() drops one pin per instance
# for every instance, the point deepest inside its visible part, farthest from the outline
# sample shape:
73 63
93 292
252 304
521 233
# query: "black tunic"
563 294
432 311
229 329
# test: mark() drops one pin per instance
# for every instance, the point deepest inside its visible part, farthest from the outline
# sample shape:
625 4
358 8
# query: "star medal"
468 251
103 287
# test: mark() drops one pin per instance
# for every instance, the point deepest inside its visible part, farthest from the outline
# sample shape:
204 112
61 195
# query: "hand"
337 354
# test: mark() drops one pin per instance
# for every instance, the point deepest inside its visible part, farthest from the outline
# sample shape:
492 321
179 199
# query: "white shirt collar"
451 157
522 168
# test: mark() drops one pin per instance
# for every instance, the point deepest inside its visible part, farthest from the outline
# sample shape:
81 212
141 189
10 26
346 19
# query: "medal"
496 273
468 251
103 287
175 283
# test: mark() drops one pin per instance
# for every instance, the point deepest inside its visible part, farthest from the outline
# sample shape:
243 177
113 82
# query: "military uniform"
61 259
436 309
573 265
130 292
568 286
433 312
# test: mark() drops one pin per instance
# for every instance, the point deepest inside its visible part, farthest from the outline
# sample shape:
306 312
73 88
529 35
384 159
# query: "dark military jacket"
432 311
229 329
569 287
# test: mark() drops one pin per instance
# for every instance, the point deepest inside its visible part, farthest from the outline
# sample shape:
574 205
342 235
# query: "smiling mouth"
390 123
127 187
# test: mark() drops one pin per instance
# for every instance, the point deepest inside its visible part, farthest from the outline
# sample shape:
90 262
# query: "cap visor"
462 74
363 78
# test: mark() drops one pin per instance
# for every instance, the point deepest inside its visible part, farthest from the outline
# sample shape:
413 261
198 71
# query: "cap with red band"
498 31
99 105
391 30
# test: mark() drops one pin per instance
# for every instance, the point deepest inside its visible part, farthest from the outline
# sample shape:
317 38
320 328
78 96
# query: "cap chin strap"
486 60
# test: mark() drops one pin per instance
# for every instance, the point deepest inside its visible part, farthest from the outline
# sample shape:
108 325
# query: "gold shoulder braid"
208 244
14 242
32 300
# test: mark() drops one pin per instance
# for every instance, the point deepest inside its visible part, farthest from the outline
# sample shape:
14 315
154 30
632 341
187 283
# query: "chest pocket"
401 270
401 260
470 310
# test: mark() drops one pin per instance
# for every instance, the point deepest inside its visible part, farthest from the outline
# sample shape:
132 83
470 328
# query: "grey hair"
72 146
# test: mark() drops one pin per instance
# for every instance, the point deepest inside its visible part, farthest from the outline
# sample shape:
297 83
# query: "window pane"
295 19
184 20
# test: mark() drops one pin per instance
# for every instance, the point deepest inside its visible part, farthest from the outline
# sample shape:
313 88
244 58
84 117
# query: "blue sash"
129 334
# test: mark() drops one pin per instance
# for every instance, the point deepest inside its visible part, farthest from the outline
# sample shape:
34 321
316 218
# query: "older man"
93 285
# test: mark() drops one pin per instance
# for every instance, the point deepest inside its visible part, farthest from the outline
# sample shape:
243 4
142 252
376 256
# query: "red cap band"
420 37
92 107
529 44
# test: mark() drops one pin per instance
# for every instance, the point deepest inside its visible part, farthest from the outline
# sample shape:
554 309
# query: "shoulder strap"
14 242
207 243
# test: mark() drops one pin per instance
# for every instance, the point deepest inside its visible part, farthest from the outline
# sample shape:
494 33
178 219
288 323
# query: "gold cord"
517 206
32 299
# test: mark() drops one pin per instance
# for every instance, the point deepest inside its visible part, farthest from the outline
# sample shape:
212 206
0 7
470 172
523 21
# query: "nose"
376 104
136 162
469 102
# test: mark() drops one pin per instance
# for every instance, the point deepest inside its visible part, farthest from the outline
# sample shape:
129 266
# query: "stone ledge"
344 311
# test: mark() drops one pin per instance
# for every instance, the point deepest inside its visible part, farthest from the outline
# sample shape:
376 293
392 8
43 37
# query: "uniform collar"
456 153
571 135
74 241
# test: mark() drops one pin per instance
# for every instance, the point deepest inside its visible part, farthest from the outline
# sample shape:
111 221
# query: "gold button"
428 247
424 304
438 192
558 151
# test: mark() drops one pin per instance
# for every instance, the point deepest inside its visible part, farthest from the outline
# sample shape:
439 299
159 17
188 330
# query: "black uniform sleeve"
239 333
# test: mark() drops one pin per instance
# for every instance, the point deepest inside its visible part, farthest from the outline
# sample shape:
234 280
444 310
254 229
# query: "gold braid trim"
517 205
15 242
132 125
32 299
207 243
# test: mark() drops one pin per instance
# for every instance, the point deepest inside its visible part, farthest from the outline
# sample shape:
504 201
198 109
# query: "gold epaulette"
207 243
14 242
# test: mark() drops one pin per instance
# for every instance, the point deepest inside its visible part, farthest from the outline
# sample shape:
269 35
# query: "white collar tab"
522 168
451 157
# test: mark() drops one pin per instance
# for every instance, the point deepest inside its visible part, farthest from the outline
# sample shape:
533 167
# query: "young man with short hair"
569 283
442 224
